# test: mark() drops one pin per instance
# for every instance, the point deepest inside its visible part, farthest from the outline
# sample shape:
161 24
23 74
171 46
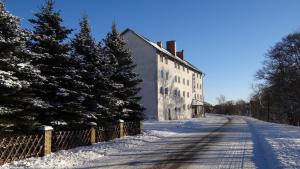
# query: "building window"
166 91
161 58
162 74
187 70
183 93
200 76
183 68
183 81
175 65
175 92
200 86
161 90
167 75
198 96
179 110
175 78
178 79
188 94
197 85
178 66
188 82
166 60
183 107
178 93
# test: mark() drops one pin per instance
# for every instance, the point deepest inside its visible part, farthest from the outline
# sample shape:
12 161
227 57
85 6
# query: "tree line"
276 96
48 78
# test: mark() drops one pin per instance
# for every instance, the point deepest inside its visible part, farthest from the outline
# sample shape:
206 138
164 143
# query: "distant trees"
277 97
239 107
46 79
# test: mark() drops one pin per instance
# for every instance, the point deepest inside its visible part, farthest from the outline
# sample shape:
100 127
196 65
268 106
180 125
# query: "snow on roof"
164 51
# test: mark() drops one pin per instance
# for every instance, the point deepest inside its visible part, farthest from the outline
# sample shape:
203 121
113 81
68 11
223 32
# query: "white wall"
144 57
169 102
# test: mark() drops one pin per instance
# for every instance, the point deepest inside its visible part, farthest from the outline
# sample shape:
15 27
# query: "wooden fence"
20 147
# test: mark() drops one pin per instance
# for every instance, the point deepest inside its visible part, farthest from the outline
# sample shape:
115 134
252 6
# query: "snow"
232 141
280 142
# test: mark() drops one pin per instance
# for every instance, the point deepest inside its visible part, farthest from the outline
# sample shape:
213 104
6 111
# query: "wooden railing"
46 141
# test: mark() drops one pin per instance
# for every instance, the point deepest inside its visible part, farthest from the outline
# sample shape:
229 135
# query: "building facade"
172 88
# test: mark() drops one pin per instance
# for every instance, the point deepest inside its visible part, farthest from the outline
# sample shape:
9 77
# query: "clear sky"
227 39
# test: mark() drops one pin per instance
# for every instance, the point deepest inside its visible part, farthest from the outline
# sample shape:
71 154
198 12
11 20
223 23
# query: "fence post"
121 126
47 140
93 132
141 127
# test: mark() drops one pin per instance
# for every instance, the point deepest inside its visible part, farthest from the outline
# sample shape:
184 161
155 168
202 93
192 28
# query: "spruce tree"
62 103
17 75
95 69
129 106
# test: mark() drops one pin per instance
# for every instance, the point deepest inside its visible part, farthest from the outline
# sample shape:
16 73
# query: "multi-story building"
172 88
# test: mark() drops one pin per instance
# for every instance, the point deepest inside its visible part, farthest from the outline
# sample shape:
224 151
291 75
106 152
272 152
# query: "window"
178 79
197 96
183 81
188 82
200 76
175 78
188 94
161 90
166 90
183 93
166 60
161 58
178 93
183 107
175 65
187 70
179 110
200 86
167 75
175 92
178 66
162 74
197 85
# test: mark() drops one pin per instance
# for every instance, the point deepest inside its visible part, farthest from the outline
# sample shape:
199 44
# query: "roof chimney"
171 46
159 43
180 54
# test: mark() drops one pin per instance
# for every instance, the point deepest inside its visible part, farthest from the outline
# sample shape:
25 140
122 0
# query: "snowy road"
213 142
228 145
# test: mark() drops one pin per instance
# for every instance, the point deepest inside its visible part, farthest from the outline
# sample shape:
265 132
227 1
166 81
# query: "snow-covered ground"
212 142
280 143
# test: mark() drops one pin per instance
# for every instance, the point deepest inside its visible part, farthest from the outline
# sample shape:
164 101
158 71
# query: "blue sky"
227 39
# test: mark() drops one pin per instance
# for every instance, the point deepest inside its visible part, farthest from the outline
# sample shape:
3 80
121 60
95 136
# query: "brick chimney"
171 46
159 43
180 54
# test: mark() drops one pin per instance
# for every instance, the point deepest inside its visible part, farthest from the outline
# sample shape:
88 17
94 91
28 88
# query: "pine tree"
17 75
129 106
61 102
95 69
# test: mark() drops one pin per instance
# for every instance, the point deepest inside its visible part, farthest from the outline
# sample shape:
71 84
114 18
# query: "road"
229 145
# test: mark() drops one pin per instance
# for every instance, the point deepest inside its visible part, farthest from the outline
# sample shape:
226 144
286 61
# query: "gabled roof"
153 44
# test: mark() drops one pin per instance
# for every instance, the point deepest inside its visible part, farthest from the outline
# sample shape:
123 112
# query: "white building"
172 88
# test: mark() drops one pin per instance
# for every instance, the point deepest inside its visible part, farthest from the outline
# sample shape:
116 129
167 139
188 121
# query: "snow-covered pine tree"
62 103
16 75
95 71
129 106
